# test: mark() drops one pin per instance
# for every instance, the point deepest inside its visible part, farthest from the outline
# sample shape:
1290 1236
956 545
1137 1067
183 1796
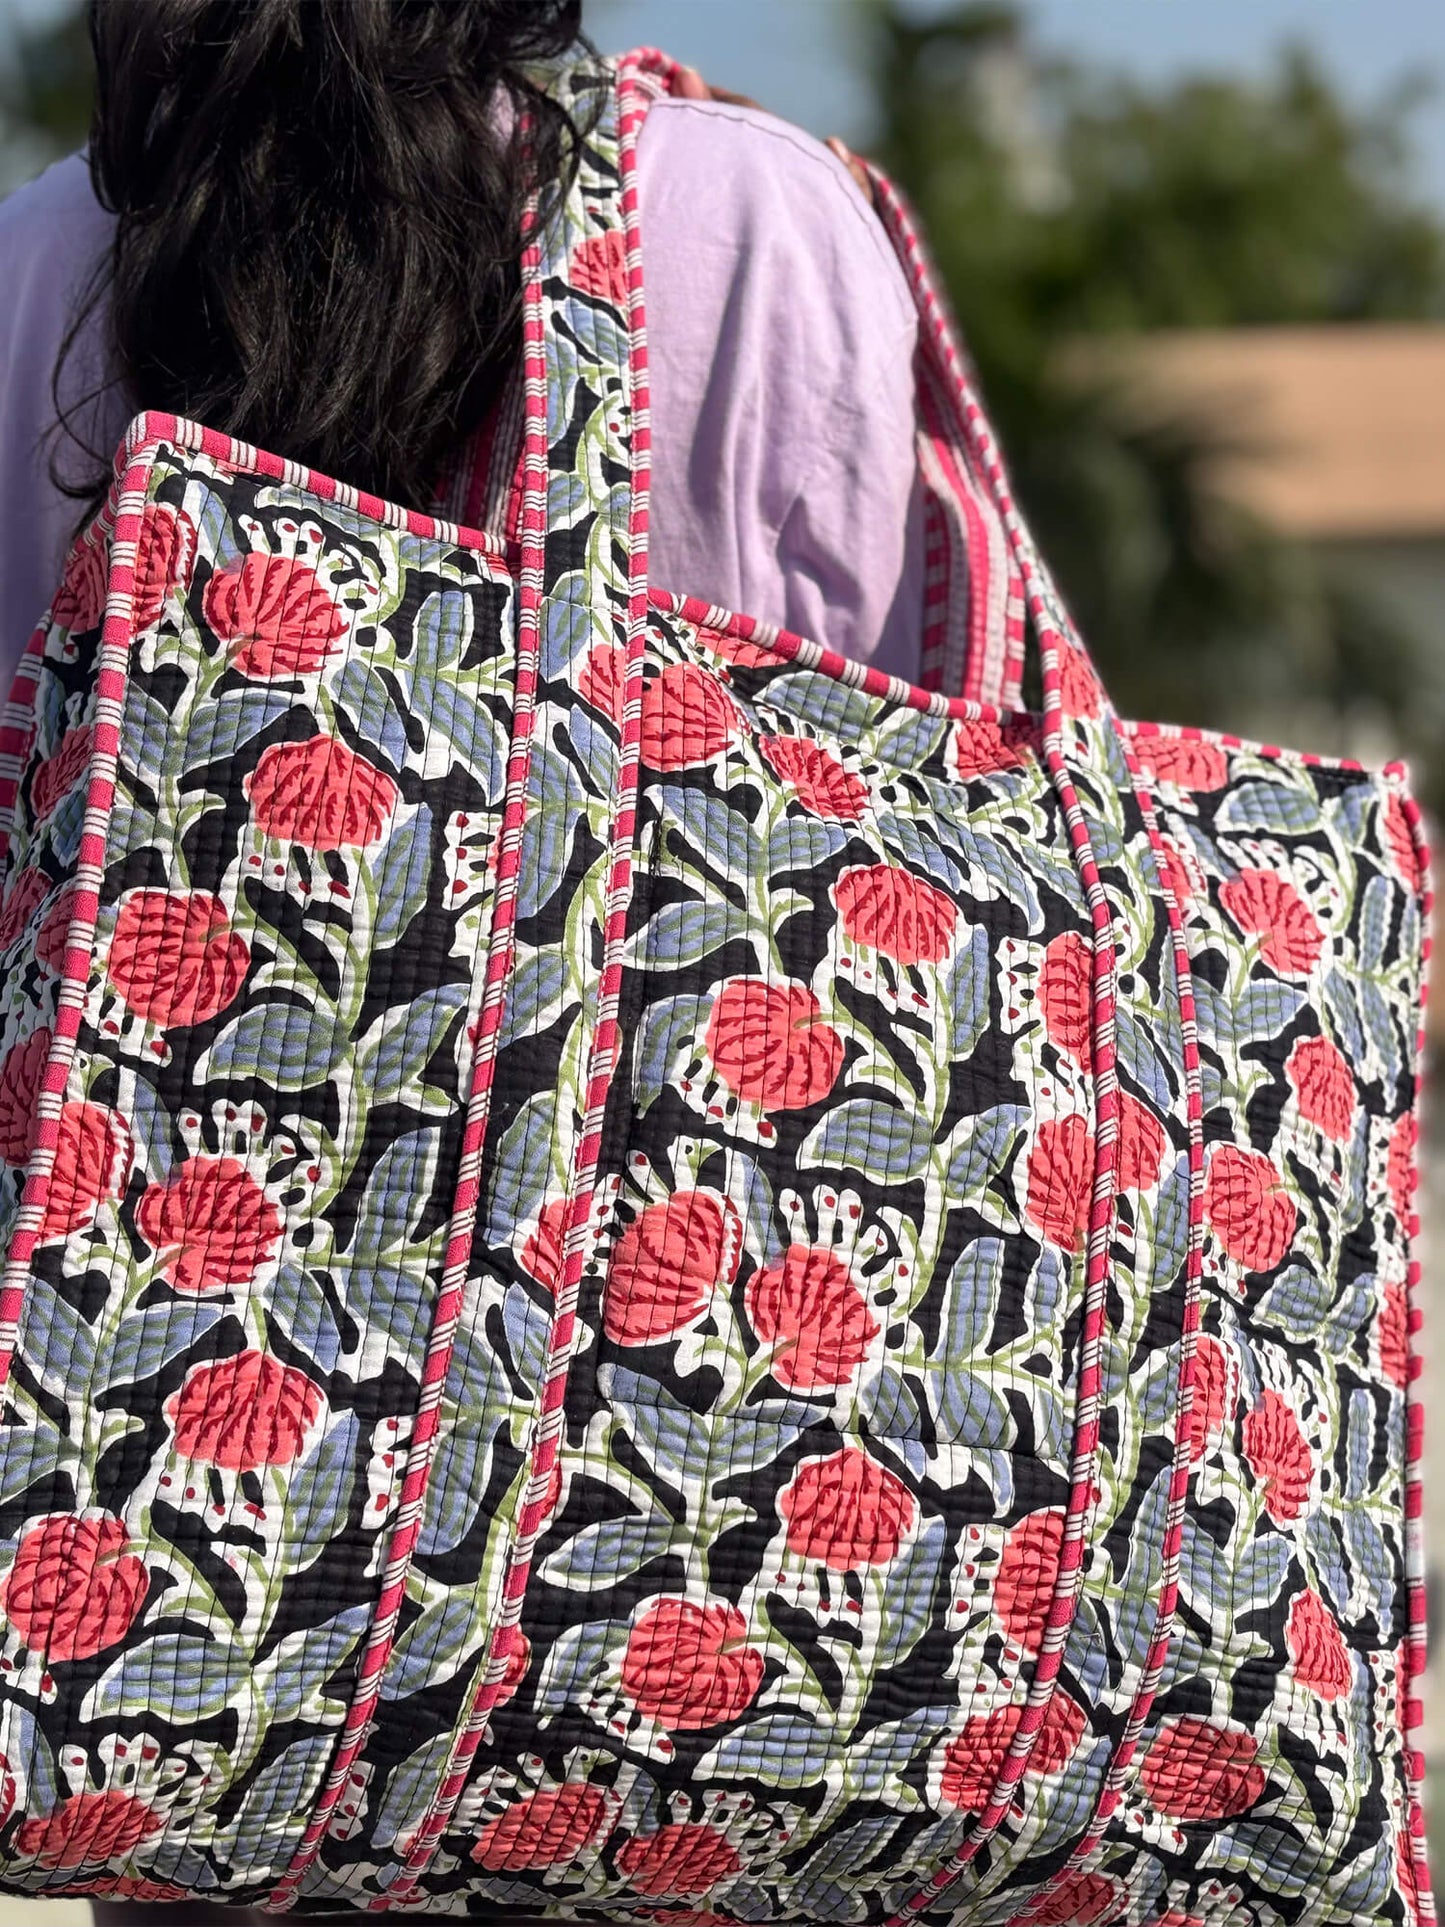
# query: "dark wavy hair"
319 211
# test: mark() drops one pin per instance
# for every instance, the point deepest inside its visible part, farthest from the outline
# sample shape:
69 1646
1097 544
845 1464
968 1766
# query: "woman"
242 153
300 223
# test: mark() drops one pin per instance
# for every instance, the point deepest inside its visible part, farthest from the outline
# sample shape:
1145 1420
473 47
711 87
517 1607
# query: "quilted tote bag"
653 1278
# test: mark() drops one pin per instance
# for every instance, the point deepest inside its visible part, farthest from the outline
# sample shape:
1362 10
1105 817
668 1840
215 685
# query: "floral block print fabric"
653 1279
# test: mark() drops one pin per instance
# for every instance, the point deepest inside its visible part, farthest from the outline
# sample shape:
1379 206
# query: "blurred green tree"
1061 205
45 93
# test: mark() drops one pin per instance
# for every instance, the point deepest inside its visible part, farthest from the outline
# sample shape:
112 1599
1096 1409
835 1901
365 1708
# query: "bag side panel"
1274 1766
228 1310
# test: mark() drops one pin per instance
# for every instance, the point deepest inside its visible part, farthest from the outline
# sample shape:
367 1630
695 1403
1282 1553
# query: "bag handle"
984 574
1078 688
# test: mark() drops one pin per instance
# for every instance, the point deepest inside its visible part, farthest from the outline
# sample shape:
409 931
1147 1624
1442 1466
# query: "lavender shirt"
781 336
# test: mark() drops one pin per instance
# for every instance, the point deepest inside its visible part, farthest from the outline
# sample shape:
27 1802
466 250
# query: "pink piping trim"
1415 1646
540 1500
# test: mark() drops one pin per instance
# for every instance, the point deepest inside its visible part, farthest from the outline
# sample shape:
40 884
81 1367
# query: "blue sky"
793 54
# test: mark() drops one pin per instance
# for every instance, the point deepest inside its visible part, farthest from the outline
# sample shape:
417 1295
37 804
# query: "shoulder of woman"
52 231
717 176
63 192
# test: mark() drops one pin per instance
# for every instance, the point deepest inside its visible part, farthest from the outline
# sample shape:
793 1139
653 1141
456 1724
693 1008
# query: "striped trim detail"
539 1500
421 1453
1415 1638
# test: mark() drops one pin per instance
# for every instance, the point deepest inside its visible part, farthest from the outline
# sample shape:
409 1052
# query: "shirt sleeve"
781 339
52 232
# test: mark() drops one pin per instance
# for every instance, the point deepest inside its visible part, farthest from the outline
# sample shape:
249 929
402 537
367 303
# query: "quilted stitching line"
605 1049
451 1298
1181 1477
1053 640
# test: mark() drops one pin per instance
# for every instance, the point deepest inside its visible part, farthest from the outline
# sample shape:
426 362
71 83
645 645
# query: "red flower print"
175 959
684 1858
1177 874
981 747
690 1666
320 794
687 717
974 1757
770 1044
1392 1330
1199 1770
127 1886
1060 1734
1079 1900
1400 840
24 897
846 1511
543 1829
53 935
887 908
667 1264
1060 1179
275 614
80 600
74 1589
739 649
809 1306
92 1162
1246 1204
604 678
1266 904
599 267
58 775
1324 1087
20 1078
1141 1145
1400 1167
1182 761
165 551
1279 1455
1208 1394
244 1412
88 1827
1066 995
213 1223
541 1255
1078 685
819 780
1317 1647
1027 1571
